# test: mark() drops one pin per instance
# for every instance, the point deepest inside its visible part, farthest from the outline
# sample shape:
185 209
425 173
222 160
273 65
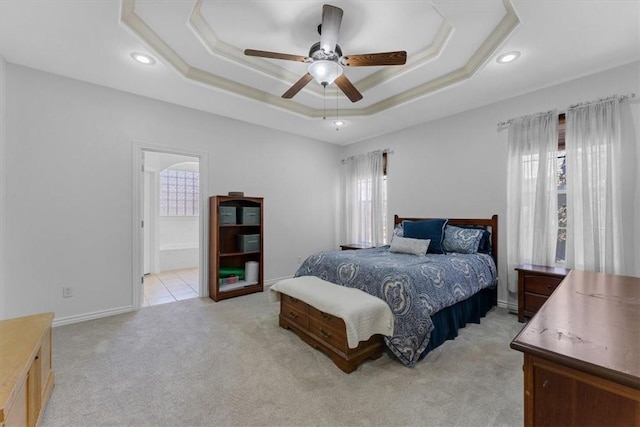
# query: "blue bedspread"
414 287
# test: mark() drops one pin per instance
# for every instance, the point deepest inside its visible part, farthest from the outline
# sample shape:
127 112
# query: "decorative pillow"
485 242
397 231
432 229
406 245
461 240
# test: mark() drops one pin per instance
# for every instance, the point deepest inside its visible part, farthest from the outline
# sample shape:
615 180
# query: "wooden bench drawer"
329 320
293 302
296 313
336 338
328 333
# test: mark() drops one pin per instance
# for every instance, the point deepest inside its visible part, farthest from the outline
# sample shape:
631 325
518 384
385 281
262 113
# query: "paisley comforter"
415 287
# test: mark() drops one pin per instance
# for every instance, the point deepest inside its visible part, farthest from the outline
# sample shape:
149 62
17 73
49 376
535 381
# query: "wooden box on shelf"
225 240
535 284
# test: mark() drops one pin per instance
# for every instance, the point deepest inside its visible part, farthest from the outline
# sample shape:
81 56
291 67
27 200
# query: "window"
576 215
365 205
179 192
385 235
384 199
561 174
365 192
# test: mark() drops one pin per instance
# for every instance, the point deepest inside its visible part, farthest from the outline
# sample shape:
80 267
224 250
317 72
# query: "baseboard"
512 307
267 284
90 316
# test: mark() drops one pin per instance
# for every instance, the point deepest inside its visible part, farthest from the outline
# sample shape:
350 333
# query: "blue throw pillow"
432 229
461 240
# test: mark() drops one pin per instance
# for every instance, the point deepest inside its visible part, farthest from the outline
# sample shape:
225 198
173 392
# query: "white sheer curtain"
364 199
594 182
532 192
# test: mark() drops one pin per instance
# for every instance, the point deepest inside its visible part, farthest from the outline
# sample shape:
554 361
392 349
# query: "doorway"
170 242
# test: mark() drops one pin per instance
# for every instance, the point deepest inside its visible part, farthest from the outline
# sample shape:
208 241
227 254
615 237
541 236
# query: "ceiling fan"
326 61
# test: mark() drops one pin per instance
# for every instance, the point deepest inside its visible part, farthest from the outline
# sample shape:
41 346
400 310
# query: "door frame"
149 214
137 216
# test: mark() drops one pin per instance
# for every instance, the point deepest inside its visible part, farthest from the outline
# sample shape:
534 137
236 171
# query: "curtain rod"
609 98
505 125
385 151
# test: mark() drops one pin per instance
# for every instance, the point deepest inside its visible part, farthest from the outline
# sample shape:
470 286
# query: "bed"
431 296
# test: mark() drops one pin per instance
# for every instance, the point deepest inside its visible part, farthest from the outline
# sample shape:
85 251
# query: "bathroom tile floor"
170 286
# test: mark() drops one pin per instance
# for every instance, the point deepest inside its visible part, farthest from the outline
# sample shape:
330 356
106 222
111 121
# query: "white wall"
178 231
457 166
69 153
68 218
3 94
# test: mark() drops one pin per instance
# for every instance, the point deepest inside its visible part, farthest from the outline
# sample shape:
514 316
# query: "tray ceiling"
198 46
205 41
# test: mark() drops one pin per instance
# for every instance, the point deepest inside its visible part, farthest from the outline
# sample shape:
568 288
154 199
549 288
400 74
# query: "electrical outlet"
67 292
299 260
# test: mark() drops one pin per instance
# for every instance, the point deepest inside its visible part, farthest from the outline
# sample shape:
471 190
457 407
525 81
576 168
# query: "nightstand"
535 284
354 246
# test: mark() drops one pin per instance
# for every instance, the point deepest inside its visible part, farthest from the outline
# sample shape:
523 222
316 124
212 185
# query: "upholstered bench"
345 323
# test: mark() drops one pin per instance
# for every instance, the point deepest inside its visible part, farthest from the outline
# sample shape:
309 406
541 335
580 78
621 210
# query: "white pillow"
406 245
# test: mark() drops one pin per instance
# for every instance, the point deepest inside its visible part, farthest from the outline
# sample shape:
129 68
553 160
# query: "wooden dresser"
582 354
327 333
535 284
26 374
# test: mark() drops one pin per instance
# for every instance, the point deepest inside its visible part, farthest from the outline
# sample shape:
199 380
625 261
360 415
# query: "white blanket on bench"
364 315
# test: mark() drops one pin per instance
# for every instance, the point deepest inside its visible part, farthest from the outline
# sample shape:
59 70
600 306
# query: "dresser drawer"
533 302
331 336
296 312
535 284
543 285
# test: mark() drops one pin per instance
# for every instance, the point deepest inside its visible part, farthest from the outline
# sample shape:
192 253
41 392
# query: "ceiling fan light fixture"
326 60
325 72
505 58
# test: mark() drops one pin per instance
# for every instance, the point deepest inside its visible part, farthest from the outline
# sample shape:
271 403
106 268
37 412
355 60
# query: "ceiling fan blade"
368 59
297 86
348 88
276 55
331 20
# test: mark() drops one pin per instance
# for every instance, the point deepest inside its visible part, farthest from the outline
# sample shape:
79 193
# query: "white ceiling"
198 44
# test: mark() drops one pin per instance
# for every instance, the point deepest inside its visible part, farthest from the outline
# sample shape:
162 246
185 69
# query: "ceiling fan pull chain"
337 115
324 102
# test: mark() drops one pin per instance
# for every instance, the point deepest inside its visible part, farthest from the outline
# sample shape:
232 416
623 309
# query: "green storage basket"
231 271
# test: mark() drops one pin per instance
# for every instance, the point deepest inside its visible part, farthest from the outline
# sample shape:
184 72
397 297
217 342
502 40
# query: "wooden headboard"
490 223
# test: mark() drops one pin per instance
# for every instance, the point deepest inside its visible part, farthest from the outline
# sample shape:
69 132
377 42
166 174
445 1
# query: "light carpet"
200 363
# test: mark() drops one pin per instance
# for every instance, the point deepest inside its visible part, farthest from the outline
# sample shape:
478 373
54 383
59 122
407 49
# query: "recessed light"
505 58
339 122
143 58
